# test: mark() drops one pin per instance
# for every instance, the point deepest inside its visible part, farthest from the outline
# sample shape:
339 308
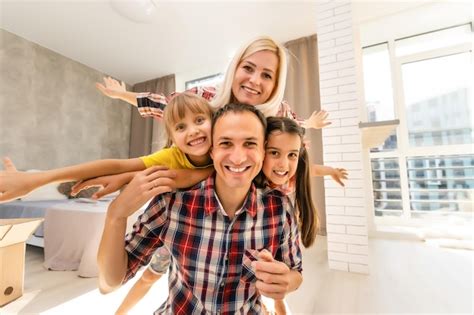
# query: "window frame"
404 150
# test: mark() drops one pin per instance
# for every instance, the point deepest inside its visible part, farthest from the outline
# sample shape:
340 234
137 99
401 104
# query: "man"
229 242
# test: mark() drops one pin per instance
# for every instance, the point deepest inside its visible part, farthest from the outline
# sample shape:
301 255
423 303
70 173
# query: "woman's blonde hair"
177 108
270 107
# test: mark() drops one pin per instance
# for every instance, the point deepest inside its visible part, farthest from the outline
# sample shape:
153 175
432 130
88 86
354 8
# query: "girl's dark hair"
307 212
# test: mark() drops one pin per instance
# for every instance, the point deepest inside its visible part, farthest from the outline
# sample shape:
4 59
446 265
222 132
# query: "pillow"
47 192
65 189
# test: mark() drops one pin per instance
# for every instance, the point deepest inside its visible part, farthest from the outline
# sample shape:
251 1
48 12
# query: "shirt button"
222 284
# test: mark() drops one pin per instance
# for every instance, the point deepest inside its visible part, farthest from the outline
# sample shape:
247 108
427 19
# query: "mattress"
28 209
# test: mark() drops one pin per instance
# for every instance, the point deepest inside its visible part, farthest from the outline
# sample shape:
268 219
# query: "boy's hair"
270 107
238 108
179 106
307 212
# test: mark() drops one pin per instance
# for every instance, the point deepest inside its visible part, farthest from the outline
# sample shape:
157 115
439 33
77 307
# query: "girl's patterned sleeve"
153 105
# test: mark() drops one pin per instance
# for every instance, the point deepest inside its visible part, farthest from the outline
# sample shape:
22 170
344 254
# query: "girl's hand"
108 184
15 184
317 120
338 175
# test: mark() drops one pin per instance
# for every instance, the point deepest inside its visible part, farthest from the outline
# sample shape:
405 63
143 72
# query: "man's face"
238 150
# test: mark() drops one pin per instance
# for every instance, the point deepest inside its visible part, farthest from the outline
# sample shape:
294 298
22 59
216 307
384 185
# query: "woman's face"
255 78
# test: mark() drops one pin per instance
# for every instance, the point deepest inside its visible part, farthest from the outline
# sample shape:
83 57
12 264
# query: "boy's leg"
138 291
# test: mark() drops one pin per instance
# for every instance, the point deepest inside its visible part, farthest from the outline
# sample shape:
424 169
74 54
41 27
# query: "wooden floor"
406 277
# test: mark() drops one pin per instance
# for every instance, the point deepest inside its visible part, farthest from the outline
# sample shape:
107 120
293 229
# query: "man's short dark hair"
238 108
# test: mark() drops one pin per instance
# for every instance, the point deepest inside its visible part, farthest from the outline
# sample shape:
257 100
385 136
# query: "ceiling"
182 37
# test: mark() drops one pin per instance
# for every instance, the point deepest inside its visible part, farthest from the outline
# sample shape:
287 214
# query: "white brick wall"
346 215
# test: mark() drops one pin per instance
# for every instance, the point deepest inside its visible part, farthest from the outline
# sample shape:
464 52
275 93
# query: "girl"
256 76
286 168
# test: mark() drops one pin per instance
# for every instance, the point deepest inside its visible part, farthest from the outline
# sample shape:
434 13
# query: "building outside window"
424 170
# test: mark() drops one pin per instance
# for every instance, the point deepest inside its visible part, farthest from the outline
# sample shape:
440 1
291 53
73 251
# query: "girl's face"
281 157
255 78
192 135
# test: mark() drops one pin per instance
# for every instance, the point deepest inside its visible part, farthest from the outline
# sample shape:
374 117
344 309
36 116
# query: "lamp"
138 11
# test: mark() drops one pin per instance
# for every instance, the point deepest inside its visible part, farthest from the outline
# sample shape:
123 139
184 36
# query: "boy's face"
281 157
192 135
237 151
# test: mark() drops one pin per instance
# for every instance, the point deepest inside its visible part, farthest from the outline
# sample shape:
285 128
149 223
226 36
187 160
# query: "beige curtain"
144 131
302 93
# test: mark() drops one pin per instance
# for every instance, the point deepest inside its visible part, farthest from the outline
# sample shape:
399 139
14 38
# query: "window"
425 169
212 80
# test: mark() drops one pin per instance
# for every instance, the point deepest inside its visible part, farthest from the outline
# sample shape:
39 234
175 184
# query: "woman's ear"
210 152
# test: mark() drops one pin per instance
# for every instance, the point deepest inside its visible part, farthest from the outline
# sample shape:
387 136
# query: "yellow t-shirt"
172 157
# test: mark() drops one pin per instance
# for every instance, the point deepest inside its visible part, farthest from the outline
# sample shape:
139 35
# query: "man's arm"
281 275
112 258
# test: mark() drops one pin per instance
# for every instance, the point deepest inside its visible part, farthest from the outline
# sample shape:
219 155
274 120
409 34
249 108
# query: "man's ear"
210 152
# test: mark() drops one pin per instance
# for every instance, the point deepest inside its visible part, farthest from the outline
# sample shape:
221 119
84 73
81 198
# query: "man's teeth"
197 141
281 173
252 91
237 169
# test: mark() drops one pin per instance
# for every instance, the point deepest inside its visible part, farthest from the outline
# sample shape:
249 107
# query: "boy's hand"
144 186
273 276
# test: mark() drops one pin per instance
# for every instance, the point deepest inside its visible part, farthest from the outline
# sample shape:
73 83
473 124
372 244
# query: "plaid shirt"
152 105
211 254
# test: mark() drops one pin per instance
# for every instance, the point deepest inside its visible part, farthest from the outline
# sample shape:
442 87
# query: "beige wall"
51 115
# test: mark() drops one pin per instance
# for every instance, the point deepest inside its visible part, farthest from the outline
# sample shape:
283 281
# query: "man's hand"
273 276
144 186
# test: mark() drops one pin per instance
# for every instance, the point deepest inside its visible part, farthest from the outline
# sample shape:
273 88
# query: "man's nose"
238 156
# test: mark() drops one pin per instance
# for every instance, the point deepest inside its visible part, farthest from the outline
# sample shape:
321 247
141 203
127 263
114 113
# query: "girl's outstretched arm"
337 174
15 184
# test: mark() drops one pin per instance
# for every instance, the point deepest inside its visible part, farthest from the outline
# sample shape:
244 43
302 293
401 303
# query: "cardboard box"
13 234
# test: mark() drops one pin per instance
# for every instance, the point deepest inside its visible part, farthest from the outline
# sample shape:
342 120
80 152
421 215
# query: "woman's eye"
247 68
200 120
267 76
273 153
179 127
293 156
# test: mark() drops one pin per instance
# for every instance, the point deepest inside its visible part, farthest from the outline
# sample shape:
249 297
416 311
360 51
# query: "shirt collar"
211 202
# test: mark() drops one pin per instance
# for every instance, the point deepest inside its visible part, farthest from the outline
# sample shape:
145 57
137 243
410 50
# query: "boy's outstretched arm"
117 90
15 184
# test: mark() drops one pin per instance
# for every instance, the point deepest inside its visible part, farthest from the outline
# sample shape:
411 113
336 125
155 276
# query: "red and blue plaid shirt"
153 105
211 254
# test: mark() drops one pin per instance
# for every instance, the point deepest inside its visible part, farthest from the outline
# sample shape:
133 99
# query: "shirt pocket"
248 275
